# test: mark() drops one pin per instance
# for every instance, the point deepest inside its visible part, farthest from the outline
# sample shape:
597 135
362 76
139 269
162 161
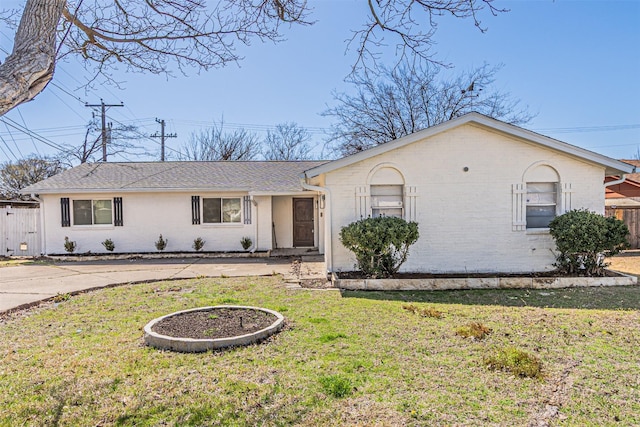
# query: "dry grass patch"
475 330
423 311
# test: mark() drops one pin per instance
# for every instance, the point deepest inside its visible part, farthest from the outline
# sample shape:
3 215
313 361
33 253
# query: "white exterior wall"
465 218
283 221
146 216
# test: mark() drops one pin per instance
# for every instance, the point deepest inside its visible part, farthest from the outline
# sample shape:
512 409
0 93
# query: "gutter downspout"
328 241
618 181
43 240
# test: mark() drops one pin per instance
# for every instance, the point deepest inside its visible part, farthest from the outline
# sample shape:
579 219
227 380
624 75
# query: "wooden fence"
19 231
631 216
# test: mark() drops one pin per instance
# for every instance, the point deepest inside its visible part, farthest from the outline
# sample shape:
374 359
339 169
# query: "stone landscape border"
504 282
192 345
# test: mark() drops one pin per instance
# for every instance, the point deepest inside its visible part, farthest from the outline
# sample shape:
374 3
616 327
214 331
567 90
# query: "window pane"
230 210
386 197
102 212
395 212
211 210
541 193
82 212
540 216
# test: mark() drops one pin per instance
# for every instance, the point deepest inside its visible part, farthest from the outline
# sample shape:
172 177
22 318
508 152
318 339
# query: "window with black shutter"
195 210
117 212
64 212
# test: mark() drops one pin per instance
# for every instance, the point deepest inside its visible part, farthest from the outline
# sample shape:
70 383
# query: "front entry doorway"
303 222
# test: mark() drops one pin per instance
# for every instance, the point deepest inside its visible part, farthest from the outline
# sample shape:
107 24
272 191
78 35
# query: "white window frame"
222 221
385 202
93 213
533 200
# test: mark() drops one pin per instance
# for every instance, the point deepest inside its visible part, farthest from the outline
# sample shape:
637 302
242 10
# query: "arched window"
387 192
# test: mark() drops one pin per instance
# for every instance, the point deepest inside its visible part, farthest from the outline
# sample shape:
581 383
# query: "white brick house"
482 192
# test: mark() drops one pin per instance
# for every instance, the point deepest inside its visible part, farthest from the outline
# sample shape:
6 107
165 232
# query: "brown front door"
302 222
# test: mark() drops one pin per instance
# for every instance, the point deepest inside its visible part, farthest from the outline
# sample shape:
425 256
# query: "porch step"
285 252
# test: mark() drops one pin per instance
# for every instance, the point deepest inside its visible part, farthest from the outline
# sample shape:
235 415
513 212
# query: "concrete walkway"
27 284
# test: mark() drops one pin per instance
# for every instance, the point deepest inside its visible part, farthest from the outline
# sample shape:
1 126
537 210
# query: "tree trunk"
29 67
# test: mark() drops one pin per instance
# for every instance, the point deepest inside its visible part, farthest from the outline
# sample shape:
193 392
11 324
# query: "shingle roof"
253 176
633 176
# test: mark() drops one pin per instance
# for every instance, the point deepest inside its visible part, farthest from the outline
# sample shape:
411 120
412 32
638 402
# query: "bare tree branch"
405 100
163 36
29 67
215 144
288 141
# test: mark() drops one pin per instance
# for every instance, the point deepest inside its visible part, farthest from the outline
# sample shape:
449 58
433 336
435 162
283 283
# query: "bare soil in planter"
215 323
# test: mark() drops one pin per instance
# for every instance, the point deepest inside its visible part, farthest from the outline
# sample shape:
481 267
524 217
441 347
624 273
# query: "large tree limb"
29 67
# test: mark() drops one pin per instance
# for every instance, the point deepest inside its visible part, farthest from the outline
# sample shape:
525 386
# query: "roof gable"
612 166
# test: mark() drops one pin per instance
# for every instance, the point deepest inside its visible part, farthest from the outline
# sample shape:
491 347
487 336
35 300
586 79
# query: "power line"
25 125
8 148
17 126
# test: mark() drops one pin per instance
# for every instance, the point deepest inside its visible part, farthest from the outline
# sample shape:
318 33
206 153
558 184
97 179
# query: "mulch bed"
214 323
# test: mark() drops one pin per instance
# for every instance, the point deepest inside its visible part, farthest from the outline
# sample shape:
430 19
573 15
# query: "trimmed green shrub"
161 243
381 245
109 245
198 243
584 239
246 243
69 246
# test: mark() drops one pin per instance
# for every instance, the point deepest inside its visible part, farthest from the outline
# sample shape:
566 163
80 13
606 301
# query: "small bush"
381 245
336 385
109 245
424 311
198 243
584 239
246 243
474 330
518 362
69 246
161 243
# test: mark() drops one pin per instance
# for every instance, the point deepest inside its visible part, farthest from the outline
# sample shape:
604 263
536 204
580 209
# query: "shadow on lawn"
594 298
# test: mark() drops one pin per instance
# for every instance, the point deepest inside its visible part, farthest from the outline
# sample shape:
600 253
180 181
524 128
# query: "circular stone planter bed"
208 328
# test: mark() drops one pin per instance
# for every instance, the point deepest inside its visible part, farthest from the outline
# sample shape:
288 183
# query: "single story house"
482 191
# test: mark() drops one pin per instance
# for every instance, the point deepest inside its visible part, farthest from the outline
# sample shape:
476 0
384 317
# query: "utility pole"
162 137
103 107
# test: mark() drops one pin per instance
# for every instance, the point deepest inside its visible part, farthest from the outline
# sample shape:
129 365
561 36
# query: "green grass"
342 359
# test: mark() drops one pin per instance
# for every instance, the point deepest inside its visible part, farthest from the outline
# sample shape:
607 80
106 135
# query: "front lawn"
343 359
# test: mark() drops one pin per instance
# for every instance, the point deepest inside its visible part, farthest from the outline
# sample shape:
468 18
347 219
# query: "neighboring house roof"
251 176
612 166
629 188
635 177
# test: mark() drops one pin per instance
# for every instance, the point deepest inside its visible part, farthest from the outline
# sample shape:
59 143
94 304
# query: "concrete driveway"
26 284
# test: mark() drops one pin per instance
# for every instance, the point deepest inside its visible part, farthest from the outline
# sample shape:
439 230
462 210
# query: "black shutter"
117 212
195 210
247 209
64 212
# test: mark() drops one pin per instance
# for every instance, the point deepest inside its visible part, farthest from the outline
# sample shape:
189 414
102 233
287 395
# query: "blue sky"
576 64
